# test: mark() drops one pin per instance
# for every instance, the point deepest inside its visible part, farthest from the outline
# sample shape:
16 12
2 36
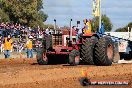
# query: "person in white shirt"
47 31
79 31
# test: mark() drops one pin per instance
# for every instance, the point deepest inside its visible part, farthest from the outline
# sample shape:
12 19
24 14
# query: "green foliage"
50 26
42 16
26 12
107 23
3 16
39 4
124 29
35 24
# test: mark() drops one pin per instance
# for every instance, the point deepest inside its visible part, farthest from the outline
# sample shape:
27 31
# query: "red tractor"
57 45
91 48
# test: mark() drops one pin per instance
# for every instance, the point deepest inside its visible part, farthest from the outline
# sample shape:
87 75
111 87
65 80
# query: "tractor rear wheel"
74 57
104 52
42 59
87 51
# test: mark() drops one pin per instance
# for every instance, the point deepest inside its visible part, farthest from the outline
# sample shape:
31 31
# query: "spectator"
29 47
19 33
7 46
47 31
15 46
79 31
12 29
0 44
2 25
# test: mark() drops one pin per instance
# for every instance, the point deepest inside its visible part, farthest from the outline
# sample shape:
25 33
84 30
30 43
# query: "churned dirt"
26 73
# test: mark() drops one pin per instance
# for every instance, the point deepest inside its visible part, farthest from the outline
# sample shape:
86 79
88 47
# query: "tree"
106 20
124 29
25 12
3 16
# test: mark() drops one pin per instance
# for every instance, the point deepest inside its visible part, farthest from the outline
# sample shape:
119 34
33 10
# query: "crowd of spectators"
19 34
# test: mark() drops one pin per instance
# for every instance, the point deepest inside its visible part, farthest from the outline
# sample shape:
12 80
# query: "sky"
119 11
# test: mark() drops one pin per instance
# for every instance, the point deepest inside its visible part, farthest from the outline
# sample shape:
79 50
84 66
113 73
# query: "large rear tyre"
42 58
74 57
104 52
87 52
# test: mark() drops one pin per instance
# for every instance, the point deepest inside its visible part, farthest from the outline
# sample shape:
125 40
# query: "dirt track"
25 73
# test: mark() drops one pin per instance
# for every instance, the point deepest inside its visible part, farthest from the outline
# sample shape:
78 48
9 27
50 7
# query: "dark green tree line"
124 29
107 23
3 16
26 12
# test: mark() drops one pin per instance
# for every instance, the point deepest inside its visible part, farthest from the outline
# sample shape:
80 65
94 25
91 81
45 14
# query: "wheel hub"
77 58
44 57
110 51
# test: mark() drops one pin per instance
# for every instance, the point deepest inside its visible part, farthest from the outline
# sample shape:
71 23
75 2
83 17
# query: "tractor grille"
57 39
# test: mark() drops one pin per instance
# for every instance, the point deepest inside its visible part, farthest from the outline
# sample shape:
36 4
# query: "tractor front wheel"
42 58
74 57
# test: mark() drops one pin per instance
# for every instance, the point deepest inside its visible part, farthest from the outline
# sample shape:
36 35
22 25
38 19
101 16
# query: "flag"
96 8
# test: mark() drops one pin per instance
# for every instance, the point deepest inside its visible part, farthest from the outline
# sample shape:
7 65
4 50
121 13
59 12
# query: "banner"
96 8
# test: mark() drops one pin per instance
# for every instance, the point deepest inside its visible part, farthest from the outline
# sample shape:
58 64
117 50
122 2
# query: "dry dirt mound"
25 73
